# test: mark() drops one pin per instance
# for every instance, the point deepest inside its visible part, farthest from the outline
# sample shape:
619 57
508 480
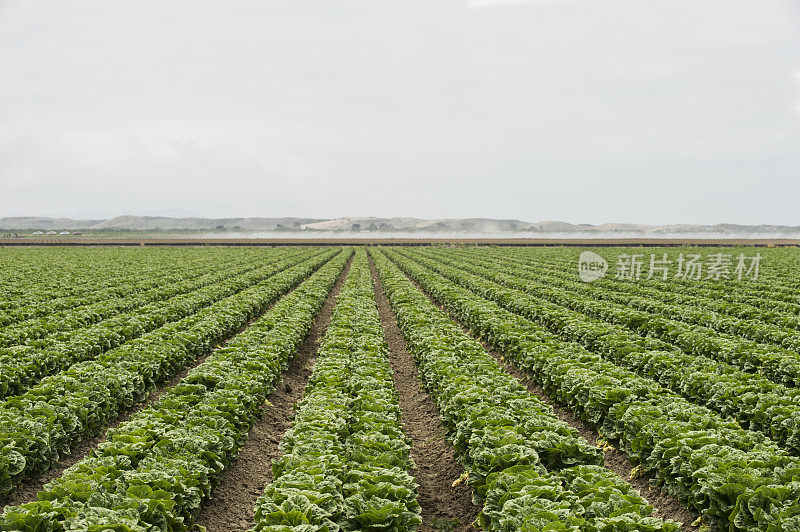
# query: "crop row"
154 471
39 281
344 462
39 426
532 470
766 295
721 301
777 364
766 326
140 292
55 331
736 479
756 402
23 366
46 314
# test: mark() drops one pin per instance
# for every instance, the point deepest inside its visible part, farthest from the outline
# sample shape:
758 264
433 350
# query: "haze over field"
394 227
648 112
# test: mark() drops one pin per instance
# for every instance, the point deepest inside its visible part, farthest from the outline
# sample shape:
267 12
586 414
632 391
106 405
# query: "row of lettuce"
719 304
736 479
756 402
776 281
25 365
40 426
530 470
345 460
780 364
108 286
139 291
39 281
154 471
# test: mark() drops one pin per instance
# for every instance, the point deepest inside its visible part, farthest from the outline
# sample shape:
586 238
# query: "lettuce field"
399 388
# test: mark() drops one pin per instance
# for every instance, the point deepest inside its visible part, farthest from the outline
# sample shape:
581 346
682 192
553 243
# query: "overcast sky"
587 111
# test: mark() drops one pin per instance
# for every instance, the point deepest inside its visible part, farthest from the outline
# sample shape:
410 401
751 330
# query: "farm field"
325 388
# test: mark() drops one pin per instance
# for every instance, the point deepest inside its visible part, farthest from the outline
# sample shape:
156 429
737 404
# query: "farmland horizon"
397 227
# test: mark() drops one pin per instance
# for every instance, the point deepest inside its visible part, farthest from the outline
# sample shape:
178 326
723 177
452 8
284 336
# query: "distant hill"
548 227
394 225
138 223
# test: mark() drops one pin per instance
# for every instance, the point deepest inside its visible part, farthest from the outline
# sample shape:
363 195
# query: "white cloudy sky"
587 111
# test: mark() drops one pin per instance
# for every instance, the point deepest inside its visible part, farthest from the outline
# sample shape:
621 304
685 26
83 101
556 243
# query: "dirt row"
231 505
444 507
666 506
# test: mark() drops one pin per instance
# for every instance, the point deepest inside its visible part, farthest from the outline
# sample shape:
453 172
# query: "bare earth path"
444 507
230 508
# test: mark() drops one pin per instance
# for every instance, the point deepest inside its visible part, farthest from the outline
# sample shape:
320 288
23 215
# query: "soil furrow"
666 506
230 508
444 507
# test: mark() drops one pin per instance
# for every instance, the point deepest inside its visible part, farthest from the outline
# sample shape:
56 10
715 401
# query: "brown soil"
230 508
444 507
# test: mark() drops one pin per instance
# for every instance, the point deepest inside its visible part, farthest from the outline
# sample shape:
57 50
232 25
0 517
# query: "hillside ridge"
450 225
